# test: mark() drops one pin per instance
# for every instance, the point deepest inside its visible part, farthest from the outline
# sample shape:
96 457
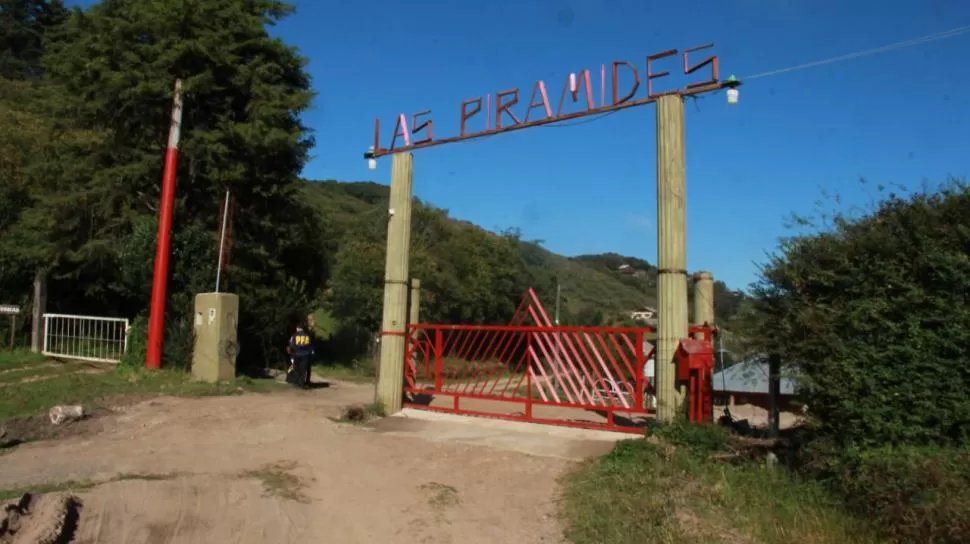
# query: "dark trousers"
299 373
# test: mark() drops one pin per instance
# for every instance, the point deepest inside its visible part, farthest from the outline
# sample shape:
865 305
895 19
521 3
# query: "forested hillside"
468 274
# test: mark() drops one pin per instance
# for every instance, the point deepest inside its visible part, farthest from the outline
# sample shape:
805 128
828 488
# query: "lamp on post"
371 159
732 83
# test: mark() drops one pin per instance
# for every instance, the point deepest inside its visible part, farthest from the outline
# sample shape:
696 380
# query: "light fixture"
732 83
371 159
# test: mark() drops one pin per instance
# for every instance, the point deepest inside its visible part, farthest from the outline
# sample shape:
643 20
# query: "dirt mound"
49 518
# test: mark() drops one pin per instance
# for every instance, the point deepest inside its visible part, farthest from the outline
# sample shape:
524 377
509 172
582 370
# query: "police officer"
300 350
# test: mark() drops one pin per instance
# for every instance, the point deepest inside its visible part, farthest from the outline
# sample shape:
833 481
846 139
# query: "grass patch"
354 371
87 388
46 370
658 491
278 481
19 359
79 486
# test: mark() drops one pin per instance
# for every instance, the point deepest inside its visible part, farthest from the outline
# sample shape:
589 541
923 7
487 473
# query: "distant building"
747 383
643 315
626 269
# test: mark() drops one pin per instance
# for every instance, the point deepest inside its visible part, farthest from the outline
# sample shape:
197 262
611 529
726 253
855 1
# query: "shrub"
911 494
875 313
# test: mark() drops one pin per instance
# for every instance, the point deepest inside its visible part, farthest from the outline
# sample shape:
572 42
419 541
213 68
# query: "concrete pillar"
216 337
37 331
671 252
703 300
391 371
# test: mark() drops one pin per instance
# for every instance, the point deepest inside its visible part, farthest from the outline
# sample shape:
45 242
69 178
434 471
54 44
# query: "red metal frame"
533 372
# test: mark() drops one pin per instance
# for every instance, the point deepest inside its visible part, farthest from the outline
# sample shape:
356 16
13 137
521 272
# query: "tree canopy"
875 314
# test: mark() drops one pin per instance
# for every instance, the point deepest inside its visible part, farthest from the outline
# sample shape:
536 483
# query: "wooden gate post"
703 301
672 323
389 392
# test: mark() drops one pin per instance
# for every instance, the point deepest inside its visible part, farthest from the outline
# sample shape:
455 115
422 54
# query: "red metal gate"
576 376
591 377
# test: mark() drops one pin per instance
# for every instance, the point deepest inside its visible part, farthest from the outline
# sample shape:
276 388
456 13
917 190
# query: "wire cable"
952 33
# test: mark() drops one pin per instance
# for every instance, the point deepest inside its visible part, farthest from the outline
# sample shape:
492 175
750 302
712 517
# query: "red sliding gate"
589 377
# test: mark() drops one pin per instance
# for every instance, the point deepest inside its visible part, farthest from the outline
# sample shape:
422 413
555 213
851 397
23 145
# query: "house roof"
750 377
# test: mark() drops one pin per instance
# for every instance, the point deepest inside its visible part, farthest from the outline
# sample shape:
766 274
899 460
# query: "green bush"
911 494
874 312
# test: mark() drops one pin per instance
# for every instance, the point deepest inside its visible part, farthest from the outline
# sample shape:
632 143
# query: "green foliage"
874 312
697 439
468 275
912 494
80 188
24 24
644 492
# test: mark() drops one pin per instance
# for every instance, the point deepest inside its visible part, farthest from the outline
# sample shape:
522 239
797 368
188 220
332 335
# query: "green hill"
469 274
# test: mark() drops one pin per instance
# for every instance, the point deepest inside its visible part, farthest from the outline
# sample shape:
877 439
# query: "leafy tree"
23 25
874 311
244 92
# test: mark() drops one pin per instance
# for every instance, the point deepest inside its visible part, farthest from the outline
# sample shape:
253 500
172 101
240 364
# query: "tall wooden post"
37 331
394 323
414 302
703 300
671 252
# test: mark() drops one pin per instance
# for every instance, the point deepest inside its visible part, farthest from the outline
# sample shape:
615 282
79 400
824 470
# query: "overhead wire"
953 32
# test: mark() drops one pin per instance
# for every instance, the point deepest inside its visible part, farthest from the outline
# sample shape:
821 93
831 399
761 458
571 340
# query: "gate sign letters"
9 309
507 111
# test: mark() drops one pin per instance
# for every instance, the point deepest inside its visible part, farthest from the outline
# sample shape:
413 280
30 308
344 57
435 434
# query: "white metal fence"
85 338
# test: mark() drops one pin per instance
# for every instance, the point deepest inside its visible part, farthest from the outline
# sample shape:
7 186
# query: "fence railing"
85 338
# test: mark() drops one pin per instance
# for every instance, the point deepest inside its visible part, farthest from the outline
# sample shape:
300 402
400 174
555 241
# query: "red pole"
156 319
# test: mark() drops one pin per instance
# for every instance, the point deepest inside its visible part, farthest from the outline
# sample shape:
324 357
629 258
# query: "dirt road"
276 469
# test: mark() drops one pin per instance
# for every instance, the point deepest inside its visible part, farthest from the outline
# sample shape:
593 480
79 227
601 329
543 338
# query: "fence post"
438 382
703 302
38 330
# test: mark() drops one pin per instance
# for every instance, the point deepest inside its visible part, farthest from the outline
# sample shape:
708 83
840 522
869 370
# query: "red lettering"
712 60
377 135
651 75
616 81
466 115
574 93
416 128
501 107
401 129
540 89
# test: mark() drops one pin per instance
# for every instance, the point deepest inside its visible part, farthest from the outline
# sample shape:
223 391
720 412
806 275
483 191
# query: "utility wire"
952 33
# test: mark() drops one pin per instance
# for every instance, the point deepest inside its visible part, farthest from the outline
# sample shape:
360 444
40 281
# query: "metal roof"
750 377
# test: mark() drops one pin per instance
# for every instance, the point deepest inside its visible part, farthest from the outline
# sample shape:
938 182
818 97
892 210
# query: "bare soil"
276 468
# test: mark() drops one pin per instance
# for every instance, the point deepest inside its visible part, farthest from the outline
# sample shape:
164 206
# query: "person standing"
300 350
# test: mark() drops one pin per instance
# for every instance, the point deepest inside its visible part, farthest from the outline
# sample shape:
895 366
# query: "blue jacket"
301 344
